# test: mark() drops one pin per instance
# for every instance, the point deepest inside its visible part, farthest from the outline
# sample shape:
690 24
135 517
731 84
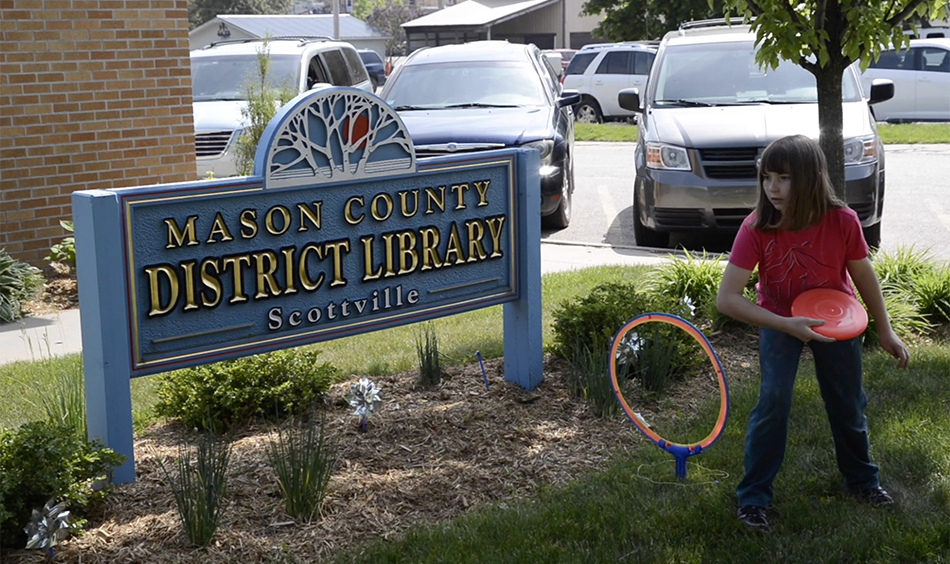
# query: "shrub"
898 271
66 404
932 292
591 321
199 487
64 251
587 326
225 393
42 461
695 282
303 458
19 282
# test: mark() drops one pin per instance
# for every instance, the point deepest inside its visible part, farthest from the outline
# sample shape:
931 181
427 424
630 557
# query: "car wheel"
588 111
645 236
872 235
561 217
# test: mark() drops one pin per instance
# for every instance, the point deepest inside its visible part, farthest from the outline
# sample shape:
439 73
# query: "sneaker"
876 496
754 517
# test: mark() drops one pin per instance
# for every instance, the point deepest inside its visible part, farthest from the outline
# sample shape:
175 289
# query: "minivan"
707 113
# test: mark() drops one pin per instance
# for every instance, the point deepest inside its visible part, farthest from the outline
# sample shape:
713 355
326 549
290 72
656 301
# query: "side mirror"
882 89
569 98
629 99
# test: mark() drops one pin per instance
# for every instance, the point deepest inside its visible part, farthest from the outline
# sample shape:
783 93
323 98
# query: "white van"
221 71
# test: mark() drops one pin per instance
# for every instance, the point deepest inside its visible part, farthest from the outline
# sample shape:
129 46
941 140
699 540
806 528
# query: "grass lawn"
890 133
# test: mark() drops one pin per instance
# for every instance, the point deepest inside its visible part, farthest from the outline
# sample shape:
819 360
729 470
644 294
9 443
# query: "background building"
549 24
352 30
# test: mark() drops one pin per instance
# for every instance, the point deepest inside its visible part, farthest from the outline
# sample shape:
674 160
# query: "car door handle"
599 82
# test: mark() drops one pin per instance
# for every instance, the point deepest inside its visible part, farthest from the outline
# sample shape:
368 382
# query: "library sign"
339 232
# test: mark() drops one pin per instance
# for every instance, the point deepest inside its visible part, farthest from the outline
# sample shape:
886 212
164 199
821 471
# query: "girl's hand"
801 328
894 346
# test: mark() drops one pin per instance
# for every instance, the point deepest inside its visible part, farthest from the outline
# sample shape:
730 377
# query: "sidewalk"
41 336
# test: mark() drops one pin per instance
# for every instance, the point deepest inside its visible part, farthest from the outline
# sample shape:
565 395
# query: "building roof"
477 13
297 26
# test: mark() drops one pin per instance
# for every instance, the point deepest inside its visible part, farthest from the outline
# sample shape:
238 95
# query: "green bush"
587 325
42 461
589 379
19 282
226 393
932 293
694 281
64 251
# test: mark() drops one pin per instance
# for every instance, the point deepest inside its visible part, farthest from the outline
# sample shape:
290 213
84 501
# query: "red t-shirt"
791 262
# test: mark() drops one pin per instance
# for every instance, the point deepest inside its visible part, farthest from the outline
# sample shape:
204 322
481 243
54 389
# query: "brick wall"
94 94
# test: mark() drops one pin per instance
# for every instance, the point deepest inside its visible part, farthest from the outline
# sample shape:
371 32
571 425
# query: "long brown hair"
811 194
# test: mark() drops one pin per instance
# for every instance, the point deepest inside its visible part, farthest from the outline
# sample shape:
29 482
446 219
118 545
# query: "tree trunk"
831 123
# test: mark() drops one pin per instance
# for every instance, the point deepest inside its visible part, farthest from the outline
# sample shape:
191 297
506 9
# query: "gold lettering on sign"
178 237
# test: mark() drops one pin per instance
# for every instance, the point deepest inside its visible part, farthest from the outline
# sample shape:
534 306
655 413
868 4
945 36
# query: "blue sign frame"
340 232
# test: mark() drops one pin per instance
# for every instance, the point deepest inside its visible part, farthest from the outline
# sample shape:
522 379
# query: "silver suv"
707 113
600 71
221 71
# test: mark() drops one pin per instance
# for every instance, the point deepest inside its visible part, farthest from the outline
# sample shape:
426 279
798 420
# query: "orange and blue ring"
678 450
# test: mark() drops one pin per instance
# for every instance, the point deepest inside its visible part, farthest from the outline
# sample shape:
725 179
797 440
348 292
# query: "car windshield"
227 77
466 84
726 74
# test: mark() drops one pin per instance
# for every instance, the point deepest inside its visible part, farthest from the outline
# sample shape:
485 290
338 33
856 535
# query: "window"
315 73
580 63
357 70
642 63
616 62
900 60
934 59
339 75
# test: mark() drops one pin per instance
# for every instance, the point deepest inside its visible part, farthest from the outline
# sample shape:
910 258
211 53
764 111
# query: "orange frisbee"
845 317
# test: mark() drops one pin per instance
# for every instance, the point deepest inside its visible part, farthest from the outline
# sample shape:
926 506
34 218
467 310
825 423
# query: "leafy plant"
692 281
899 270
589 379
66 404
64 251
932 292
42 460
303 458
199 484
263 101
591 321
19 282
427 347
225 393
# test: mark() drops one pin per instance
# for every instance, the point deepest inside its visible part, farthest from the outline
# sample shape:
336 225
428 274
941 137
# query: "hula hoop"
679 451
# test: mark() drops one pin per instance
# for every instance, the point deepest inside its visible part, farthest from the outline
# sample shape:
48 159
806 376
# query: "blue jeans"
838 371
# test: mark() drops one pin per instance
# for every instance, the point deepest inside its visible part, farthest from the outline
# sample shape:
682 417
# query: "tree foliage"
824 37
363 8
201 11
388 19
629 20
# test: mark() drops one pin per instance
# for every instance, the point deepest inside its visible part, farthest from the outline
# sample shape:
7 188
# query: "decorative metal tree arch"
341 134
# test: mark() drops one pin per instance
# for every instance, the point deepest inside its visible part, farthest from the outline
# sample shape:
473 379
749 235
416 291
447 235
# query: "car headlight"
860 150
667 157
544 147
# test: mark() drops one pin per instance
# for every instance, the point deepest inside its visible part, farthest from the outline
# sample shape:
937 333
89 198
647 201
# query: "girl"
802 237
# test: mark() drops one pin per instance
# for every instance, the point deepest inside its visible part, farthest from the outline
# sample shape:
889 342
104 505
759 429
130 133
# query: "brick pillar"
94 94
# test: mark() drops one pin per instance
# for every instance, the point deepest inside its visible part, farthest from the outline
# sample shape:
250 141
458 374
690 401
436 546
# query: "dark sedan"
375 67
489 95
